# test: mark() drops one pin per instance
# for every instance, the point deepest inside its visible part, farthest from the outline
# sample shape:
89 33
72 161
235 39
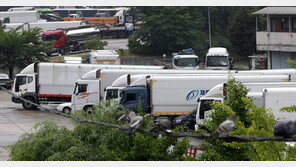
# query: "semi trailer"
55 82
176 95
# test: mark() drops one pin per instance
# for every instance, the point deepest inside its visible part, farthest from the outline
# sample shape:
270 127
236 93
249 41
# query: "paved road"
25 119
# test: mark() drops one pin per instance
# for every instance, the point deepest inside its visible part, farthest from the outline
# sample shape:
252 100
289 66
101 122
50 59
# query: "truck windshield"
217 61
186 62
50 37
111 94
205 105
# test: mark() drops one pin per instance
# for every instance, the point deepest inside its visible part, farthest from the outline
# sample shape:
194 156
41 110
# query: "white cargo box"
73 60
276 98
20 16
104 57
177 94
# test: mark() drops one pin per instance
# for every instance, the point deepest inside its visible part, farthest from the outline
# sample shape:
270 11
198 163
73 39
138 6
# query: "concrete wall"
279 60
138 60
276 41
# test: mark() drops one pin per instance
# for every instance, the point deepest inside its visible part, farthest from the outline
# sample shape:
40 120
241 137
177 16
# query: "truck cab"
113 93
85 94
58 38
185 62
134 97
217 58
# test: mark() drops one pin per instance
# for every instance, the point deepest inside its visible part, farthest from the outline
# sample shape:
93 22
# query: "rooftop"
277 10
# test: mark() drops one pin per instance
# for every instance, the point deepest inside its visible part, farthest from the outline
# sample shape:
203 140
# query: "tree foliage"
170 29
260 123
21 48
243 32
96 143
166 30
95 44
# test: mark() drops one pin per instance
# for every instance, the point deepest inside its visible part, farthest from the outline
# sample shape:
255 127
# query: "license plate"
2 83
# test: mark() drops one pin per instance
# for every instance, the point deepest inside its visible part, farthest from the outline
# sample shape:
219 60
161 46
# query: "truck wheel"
27 105
62 51
122 34
89 110
67 110
114 35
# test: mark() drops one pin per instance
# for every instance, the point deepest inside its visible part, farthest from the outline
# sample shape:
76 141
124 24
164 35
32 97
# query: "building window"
294 23
285 23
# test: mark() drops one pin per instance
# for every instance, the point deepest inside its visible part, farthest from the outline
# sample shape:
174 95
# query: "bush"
252 120
95 44
96 143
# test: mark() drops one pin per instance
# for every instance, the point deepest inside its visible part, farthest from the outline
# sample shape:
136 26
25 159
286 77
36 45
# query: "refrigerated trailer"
267 95
54 82
176 94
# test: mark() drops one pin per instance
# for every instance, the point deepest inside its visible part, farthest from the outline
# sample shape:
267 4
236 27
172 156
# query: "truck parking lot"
9 132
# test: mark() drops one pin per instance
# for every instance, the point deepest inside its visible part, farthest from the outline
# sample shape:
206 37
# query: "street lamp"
209 21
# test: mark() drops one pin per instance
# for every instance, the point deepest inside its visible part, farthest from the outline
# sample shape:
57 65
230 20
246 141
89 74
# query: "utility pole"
209 21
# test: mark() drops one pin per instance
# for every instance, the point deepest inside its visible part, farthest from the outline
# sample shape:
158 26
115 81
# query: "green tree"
96 143
19 49
242 31
167 30
260 123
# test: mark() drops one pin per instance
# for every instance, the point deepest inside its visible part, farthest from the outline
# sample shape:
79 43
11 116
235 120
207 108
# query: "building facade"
279 39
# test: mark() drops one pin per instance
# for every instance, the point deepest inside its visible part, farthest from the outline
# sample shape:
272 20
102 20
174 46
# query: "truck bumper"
16 100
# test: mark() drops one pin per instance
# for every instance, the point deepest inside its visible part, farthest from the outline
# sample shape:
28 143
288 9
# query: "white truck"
112 81
175 95
104 57
19 16
108 83
266 95
218 58
54 82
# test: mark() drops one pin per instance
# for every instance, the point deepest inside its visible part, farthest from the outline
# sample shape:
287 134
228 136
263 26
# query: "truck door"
20 83
25 83
134 100
80 96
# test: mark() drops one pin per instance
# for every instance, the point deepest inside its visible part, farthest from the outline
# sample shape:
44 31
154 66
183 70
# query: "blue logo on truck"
194 93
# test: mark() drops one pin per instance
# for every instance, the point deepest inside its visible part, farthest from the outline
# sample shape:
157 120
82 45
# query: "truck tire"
89 110
29 106
122 34
67 110
62 51
114 35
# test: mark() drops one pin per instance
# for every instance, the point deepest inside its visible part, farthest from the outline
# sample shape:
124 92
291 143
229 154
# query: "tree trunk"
10 69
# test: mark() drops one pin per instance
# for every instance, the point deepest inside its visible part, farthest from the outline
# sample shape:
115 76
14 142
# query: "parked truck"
183 60
69 40
176 95
54 82
121 25
218 58
108 83
104 57
266 95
